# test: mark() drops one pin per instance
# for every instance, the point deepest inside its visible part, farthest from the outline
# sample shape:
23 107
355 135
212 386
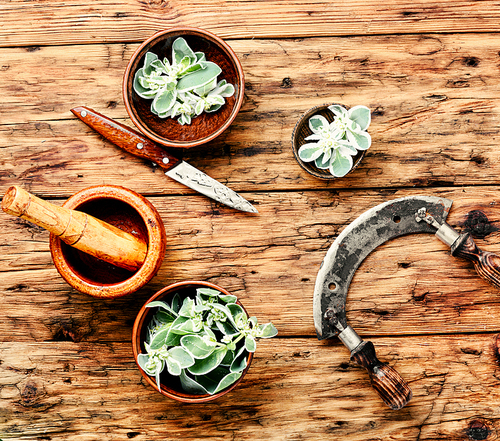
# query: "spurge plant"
185 87
204 341
334 144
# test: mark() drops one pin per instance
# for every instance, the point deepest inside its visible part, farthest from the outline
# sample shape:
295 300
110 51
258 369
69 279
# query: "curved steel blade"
374 227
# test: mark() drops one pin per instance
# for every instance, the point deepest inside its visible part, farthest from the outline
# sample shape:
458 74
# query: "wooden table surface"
428 71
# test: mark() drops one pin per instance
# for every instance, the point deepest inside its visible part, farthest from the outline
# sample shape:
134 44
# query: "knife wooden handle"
392 388
126 138
78 229
487 264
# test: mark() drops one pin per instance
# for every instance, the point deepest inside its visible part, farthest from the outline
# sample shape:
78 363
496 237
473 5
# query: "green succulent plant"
334 144
185 87
205 341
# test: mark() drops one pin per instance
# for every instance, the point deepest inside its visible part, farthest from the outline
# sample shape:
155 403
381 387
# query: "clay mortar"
128 211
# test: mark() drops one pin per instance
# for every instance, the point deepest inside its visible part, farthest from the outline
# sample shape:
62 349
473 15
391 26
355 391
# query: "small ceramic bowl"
302 131
203 128
170 385
126 210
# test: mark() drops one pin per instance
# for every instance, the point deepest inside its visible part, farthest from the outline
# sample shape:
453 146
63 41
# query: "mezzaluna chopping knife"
141 146
412 214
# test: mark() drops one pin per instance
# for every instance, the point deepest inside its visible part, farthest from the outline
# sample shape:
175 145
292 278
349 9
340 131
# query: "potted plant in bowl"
329 141
183 87
193 341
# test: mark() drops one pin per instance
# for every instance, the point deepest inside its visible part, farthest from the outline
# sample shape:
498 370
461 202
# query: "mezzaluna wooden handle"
392 388
126 138
487 264
78 229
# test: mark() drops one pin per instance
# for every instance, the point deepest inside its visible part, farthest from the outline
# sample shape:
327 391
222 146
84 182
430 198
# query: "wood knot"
286 83
478 224
471 61
478 430
29 393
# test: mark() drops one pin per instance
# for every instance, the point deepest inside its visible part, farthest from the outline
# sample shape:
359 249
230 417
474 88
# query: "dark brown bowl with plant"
329 141
194 342
185 57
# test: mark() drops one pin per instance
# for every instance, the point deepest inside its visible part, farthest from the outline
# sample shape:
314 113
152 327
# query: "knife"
177 169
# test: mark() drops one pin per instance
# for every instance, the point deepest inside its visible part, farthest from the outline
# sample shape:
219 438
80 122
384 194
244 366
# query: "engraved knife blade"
141 146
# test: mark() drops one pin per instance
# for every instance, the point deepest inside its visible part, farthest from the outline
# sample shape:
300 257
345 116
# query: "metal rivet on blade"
84 113
140 145
165 160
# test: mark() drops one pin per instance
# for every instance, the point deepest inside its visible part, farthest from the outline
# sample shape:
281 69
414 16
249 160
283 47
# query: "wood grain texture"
60 390
434 101
48 22
428 71
410 285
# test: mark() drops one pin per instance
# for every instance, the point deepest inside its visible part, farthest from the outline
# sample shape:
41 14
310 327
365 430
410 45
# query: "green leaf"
360 140
361 115
205 365
161 305
337 110
341 165
267 330
250 344
159 338
321 163
228 298
227 91
164 100
178 322
217 380
309 152
347 149
204 90
213 108
197 346
240 361
199 78
148 59
227 381
200 56
181 356
228 359
191 386
187 308
139 88
191 68
180 49
165 317
188 327
317 123
142 359
226 328
176 302
173 367
208 292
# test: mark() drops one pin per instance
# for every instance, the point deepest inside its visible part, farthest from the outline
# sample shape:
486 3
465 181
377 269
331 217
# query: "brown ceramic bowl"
126 210
170 385
203 128
302 131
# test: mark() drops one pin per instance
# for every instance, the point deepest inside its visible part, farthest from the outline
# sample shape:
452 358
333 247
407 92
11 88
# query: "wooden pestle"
78 229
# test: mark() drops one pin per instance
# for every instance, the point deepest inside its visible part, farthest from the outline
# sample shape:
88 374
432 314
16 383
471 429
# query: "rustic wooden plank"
410 285
434 123
69 391
48 22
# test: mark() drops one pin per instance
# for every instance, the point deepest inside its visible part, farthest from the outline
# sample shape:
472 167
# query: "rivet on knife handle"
387 382
487 264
